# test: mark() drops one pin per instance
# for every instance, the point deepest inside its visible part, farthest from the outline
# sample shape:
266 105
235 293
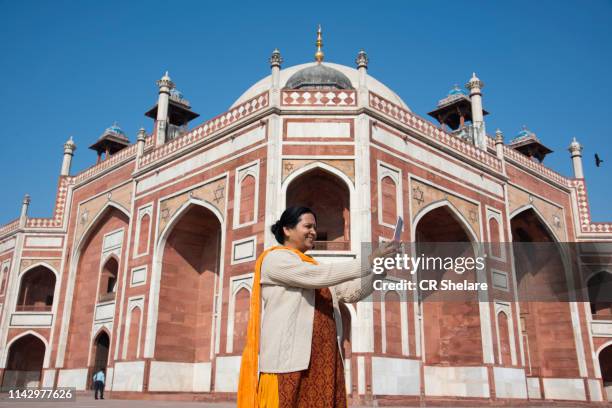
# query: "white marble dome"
352 74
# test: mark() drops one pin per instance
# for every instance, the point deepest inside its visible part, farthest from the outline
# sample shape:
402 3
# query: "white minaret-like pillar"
165 85
24 211
140 142
69 148
575 150
276 61
362 67
475 86
499 144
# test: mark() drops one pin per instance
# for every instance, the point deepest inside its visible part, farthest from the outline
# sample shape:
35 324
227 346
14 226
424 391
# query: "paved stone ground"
88 401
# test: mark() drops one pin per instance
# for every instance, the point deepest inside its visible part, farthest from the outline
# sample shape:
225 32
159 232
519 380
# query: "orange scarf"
249 366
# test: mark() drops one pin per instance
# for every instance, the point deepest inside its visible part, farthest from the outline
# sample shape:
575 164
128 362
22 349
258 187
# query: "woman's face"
303 235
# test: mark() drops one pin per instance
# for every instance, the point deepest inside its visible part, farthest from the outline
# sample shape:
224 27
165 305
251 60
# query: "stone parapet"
430 130
207 128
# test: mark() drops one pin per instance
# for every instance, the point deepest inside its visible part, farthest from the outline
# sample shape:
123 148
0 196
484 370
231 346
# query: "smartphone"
399 226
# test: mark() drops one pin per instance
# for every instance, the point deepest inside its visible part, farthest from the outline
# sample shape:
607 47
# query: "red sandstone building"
146 266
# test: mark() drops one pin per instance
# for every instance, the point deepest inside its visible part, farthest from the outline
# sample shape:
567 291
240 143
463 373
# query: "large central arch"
190 261
452 333
548 334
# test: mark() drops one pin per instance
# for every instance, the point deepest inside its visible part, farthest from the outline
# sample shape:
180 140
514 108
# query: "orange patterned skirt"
322 384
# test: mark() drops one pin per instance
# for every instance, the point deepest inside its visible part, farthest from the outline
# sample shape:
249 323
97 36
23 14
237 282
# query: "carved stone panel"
552 214
26 263
89 210
424 194
345 166
214 193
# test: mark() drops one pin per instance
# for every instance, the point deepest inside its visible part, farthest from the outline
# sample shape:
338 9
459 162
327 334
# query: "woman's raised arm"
283 267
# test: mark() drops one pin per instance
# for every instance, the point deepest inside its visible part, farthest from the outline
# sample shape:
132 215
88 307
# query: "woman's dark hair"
290 218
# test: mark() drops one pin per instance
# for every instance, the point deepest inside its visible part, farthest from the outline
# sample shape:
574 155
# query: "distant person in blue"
98 379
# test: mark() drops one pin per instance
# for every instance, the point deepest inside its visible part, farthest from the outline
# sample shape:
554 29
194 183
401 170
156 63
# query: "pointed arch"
603 366
598 284
108 278
244 282
392 323
102 329
158 252
454 212
388 193
591 275
341 228
21 335
540 217
504 341
80 244
436 223
37 288
25 361
133 332
240 315
178 214
76 252
40 263
107 258
248 194
545 283
143 232
602 347
99 352
312 166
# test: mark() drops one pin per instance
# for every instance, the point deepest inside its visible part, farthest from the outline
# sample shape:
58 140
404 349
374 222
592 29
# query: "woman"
292 356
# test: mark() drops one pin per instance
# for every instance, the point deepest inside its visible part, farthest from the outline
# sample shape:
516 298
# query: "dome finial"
319 54
362 59
275 59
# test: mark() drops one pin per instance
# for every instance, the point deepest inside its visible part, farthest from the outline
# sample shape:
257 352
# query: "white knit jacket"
288 303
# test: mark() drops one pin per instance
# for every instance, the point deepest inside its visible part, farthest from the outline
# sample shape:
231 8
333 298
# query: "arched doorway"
605 365
600 295
190 264
108 280
451 321
110 224
36 290
24 363
546 325
101 347
329 197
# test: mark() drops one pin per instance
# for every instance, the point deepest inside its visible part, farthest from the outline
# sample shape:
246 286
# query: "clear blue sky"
72 68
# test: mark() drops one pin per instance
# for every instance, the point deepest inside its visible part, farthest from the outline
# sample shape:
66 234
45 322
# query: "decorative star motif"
84 217
557 221
530 198
472 215
289 166
165 213
219 193
417 195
